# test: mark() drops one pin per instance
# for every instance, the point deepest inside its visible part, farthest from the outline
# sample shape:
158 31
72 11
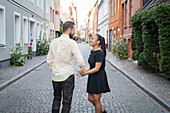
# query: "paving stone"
34 93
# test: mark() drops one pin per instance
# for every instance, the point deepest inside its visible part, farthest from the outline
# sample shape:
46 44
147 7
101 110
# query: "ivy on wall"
151 38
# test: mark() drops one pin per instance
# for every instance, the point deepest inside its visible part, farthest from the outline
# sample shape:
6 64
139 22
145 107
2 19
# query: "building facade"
21 19
73 14
128 9
114 23
95 20
54 18
57 19
103 19
82 31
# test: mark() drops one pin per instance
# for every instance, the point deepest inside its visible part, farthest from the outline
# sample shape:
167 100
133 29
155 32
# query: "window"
51 16
130 11
115 7
2 27
38 3
126 13
114 34
123 18
117 33
25 30
17 28
51 34
38 30
112 7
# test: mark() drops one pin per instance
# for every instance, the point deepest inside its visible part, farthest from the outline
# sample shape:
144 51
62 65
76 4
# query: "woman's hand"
80 73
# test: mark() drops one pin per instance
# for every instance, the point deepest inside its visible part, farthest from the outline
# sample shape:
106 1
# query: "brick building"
128 9
114 22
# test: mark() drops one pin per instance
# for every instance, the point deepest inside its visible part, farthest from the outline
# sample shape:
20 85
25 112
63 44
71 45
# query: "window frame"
19 15
3 45
27 25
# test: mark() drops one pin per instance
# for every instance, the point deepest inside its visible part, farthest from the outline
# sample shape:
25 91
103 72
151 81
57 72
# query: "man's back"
60 57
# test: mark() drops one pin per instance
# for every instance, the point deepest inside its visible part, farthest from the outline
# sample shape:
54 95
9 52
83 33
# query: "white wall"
103 18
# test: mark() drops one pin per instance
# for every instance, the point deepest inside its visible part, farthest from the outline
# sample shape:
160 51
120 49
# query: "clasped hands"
80 73
83 73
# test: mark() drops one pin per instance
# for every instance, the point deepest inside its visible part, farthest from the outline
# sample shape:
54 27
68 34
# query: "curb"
152 94
14 79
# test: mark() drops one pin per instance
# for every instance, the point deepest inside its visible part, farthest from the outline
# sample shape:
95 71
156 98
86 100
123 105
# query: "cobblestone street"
34 94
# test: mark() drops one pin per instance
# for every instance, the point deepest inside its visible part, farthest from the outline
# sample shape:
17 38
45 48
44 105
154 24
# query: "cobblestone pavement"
154 82
33 93
10 72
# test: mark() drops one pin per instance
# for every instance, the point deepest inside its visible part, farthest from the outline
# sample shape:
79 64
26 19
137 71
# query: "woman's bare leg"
98 106
91 98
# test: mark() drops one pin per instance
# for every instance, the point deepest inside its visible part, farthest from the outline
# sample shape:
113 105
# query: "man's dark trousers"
65 89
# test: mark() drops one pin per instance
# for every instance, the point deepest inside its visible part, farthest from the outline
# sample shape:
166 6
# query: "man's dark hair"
67 25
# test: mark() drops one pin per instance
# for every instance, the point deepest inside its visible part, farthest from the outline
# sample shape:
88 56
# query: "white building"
82 31
54 17
103 19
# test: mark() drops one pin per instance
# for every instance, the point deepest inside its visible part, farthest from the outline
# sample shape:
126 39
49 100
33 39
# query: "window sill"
2 45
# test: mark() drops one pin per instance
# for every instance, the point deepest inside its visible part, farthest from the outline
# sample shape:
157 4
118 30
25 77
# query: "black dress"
97 82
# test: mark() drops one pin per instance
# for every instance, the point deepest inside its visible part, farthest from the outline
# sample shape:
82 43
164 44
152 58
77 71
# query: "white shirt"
60 57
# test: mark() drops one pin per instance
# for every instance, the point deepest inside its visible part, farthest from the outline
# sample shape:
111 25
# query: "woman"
97 79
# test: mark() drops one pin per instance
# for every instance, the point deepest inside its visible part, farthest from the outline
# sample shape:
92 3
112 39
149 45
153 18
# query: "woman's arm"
87 69
95 69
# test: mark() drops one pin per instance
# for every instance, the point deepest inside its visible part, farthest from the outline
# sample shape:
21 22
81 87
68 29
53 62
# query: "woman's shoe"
104 111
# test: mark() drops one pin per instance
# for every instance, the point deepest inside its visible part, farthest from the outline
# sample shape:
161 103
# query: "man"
60 60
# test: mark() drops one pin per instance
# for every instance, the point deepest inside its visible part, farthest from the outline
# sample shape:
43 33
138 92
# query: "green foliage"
150 38
141 60
120 48
17 58
162 19
137 44
61 31
78 33
42 45
90 35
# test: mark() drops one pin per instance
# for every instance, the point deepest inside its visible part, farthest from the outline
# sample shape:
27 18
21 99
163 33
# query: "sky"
83 7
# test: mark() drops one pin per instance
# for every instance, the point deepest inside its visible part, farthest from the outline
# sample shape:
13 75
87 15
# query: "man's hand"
80 73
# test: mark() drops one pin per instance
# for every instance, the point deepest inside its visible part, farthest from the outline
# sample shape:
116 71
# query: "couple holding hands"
60 60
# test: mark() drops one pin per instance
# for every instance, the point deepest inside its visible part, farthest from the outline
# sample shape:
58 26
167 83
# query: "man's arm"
50 58
78 57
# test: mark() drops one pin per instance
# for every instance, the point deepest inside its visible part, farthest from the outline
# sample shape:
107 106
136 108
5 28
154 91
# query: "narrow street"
34 94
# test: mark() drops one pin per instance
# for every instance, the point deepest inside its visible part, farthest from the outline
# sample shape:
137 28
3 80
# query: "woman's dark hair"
102 43
67 25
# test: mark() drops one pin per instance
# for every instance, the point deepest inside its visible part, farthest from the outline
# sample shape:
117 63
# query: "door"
110 40
32 35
